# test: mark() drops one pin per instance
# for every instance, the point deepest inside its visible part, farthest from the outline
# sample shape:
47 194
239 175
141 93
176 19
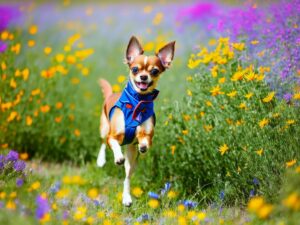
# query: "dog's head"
145 71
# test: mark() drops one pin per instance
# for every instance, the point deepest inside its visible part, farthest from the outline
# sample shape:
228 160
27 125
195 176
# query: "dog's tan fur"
144 81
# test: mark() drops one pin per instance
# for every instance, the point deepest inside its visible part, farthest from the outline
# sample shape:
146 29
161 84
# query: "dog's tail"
106 88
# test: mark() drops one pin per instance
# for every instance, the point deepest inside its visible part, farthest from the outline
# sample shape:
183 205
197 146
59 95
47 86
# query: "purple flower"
166 188
255 181
189 204
153 195
19 165
287 97
42 207
12 156
19 182
3 46
222 195
7 13
143 217
55 187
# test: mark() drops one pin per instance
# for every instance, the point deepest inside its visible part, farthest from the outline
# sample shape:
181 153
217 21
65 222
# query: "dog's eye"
154 72
135 70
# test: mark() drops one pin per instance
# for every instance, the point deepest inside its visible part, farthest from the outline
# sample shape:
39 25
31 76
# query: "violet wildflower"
287 97
142 218
42 207
19 165
55 187
19 182
12 156
166 188
222 195
189 204
255 181
153 195
3 46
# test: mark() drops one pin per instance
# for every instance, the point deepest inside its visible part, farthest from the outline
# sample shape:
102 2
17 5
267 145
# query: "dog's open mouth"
143 86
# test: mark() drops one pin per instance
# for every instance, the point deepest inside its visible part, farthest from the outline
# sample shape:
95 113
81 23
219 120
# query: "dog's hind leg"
104 130
130 163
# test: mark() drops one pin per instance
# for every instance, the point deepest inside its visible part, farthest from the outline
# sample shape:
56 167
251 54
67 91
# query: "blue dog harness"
136 108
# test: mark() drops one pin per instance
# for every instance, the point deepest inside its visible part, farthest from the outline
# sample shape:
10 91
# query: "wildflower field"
226 148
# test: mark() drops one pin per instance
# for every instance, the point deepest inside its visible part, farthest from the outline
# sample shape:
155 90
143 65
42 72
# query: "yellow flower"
90 220
4 35
189 78
201 216
291 163
2 195
237 76
75 80
243 105
223 149
116 88
77 132
182 220
158 18
297 96
265 211
100 214
16 48
149 46
59 57
189 92
93 193
250 76
292 201
25 74
232 94
170 214
238 46
263 123
180 208
45 108
33 29
216 91
47 50
171 194
269 97
147 9
207 128
11 205
290 122
249 95
173 148
62 193
28 120
208 103
24 156
80 213
153 203
31 43
121 78
185 132
222 80
12 116
255 204
72 39
13 194
59 105
259 152
254 42
46 218
85 71
36 185
71 59
214 71
137 192
193 63
212 42
13 83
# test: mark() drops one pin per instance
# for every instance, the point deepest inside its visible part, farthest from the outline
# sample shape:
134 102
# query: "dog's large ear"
134 49
166 54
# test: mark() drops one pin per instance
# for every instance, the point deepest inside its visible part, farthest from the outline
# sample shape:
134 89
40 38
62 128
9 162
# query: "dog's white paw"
101 156
127 201
119 160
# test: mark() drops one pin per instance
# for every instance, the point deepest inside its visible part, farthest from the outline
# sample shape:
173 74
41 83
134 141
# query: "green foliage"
258 134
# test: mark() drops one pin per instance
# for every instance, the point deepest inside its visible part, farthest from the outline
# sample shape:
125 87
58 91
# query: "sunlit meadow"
226 144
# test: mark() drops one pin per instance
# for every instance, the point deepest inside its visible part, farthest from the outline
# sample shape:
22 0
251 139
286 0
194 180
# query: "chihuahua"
128 118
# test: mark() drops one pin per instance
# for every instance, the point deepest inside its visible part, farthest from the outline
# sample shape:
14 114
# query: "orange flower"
59 105
24 156
33 29
28 120
58 119
45 108
77 132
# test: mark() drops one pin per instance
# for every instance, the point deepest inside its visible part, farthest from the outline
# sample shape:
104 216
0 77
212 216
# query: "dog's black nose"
143 149
144 77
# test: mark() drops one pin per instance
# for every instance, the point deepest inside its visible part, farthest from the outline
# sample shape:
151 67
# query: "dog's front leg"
144 134
130 163
116 135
